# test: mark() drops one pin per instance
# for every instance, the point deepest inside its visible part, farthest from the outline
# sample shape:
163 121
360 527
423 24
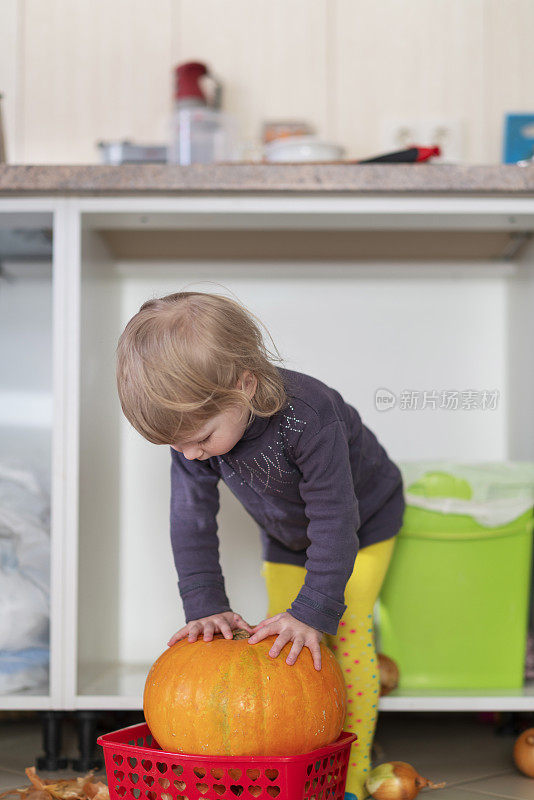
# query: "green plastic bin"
453 611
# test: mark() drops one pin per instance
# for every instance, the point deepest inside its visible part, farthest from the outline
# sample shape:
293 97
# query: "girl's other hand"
223 623
289 630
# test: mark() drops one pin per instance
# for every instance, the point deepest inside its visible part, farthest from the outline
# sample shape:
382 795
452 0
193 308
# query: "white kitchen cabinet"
398 292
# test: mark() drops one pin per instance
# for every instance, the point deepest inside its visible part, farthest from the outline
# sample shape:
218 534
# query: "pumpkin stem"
241 634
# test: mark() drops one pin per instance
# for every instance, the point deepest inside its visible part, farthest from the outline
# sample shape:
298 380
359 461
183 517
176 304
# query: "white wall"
357 334
78 71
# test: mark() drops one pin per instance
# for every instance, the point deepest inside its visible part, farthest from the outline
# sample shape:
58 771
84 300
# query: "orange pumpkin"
229 698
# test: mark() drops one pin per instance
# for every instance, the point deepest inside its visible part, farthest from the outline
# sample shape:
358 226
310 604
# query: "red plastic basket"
138 768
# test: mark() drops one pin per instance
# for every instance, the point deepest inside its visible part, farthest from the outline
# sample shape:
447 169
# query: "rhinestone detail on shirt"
265 471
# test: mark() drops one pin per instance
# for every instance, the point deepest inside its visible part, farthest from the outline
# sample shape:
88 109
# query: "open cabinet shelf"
446 284
26 435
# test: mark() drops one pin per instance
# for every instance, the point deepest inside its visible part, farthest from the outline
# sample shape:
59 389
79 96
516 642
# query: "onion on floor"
397 780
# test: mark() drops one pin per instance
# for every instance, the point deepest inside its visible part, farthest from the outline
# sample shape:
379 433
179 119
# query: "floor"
462 749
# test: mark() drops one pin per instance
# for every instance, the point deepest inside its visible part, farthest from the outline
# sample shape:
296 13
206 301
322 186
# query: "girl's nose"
192 452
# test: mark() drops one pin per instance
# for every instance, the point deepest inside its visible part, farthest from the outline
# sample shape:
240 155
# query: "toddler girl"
193 372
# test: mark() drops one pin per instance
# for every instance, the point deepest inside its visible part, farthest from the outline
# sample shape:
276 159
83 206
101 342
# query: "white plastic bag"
24 561
499 492
27 669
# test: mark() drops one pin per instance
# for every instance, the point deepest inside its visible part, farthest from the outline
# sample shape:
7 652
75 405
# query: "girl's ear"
248 382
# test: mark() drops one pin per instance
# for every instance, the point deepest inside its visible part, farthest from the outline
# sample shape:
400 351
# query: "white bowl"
302 148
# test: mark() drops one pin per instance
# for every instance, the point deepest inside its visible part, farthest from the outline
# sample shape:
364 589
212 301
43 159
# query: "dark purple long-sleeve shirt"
317 482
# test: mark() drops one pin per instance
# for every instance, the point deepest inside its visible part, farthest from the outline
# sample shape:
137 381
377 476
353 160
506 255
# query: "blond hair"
179 360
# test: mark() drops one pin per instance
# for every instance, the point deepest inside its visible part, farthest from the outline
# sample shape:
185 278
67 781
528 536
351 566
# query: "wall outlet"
398 134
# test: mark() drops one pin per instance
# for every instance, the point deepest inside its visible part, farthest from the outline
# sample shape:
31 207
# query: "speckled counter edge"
166 179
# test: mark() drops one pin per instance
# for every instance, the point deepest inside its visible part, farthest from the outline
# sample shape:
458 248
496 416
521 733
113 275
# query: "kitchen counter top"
356 179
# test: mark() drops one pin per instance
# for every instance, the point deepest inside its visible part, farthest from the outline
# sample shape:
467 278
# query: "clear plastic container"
200 132
201 135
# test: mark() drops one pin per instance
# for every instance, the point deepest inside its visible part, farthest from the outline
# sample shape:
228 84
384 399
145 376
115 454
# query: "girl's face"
217 436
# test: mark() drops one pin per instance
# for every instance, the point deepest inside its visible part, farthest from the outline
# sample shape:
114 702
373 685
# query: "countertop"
246 178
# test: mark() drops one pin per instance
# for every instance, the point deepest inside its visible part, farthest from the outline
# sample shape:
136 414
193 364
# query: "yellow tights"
353 644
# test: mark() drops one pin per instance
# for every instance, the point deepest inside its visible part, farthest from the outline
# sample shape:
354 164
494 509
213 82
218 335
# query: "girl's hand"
223 623
289 630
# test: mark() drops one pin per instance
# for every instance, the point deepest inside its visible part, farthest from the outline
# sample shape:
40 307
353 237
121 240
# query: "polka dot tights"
353 645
